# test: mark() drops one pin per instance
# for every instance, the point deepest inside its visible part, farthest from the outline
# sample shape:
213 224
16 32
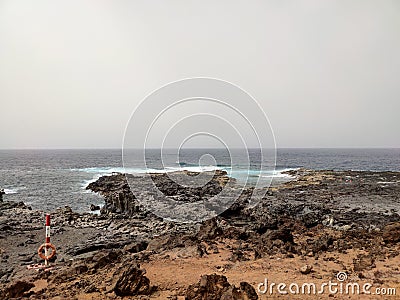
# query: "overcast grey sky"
327 73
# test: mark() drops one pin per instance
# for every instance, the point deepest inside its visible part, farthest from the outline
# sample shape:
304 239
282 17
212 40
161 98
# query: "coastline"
332 221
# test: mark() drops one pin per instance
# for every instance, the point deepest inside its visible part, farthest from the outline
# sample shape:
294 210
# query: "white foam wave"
279 174
108 171
101 170
233 172
13 190
194 169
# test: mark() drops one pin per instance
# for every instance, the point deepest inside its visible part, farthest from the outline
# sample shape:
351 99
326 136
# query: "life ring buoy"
47 245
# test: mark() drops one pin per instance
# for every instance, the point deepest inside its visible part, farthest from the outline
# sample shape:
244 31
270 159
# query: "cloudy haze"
325 72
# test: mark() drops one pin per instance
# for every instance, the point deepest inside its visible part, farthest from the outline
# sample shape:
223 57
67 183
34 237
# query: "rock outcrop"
131 281
217 287
391 233
120 196
16 289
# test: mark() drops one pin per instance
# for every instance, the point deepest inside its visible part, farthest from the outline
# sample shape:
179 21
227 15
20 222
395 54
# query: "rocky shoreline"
310 228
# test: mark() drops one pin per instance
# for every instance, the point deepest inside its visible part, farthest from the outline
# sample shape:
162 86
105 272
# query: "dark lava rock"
117 194
274 241
131 281
309 198
391 233
17 289
94 207
363 262
209 287
170 187
238 206
120 196
311 219
284 234
322 244
11 204
209 230
217 287
238 255
91 289
265 223
136 247
69 274
90 246
248 290
167 241
104 258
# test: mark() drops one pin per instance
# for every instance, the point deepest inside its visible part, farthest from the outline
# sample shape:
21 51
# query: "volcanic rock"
217 287
131 281
120 197
94 207
209 230
322 243
17 289
391 233
363 262
306 269
104 258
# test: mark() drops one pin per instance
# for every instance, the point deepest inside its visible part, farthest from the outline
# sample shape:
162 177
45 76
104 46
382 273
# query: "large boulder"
209 230
391 233
17 289
131 281
217 287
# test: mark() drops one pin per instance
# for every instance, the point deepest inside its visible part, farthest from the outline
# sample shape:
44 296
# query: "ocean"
48 179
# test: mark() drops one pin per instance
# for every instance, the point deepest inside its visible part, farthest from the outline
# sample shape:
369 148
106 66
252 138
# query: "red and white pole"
47 236
47 228
47 247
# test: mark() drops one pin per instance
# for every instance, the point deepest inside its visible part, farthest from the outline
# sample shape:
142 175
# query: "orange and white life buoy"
47 246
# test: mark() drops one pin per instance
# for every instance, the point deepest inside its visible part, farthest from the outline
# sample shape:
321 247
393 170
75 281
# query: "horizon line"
196 148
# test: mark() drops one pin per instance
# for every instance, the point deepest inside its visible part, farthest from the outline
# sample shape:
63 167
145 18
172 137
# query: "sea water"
47 179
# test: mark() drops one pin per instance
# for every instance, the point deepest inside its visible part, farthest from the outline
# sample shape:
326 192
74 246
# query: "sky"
326 73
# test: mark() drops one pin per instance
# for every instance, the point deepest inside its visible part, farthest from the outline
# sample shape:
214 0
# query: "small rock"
212 248
94 207
91 289
306 269
363 262
220 269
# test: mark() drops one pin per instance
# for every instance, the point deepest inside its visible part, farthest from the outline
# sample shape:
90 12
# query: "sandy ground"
173 271
176 273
